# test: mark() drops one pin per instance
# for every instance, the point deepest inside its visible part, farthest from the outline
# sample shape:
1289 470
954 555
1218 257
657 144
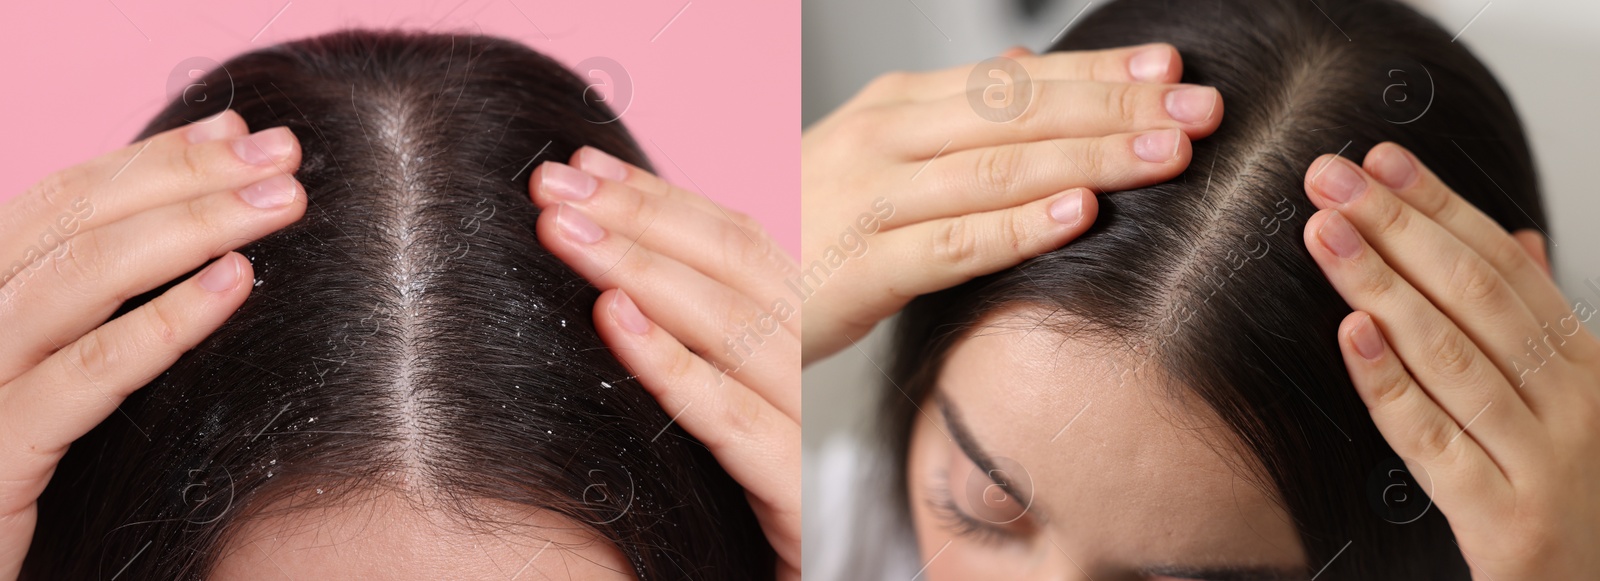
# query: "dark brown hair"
409 327
1207 275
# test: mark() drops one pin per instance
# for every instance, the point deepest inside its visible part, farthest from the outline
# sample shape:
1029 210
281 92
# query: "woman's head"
415 386
1165 395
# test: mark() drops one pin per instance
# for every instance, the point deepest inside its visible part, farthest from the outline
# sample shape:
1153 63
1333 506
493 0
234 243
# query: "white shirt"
852 529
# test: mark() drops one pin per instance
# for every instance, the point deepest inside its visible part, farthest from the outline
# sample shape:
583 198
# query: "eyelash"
943 505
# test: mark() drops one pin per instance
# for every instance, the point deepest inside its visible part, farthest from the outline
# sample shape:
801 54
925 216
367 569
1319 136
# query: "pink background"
716 83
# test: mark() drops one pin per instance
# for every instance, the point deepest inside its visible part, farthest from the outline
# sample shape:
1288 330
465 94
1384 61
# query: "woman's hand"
926 180
694 303
85 239
1478 372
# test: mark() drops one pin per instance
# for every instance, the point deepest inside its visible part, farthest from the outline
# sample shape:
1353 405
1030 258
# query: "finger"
1533 243
1442 359
603 165
1050 110
166 168
745 259
94 272
1003 176
1451 275
727 328
44 410
1017 52
1396 168
754 441
1148 63
1449 459
938 254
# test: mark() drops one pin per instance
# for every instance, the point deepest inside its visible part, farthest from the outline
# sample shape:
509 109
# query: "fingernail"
1340 182
1394 169
1069 209
1157 146
274 192
564 181
1192 104
261 147
577 226
1339 236
1150 65
221 275
1368 341
211 129
601 164
1016 51
627 314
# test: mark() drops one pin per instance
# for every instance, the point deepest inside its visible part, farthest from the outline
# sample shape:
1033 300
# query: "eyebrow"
985 462
974 452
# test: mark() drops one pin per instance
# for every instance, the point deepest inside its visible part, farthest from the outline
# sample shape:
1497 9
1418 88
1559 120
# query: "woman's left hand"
703 323
1475 368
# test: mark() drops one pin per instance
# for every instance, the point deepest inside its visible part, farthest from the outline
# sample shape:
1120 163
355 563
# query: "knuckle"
747 224
1096 160
758 256
95 355
1435 441
27 477
1123 101
1377 280
1435 202
861 129
1586 409
1474 282
161 324
737 319
1388 389
79 260
193 162
1016 232
1450 354
1584 350
1504 253
955 242
638 262
1533 541
680 364
1392 219
637 208
997 168
49 190
1026 104
1111 66
742 413
198 213
890 83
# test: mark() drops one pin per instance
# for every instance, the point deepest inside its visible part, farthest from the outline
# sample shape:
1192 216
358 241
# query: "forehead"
388 537
1113 449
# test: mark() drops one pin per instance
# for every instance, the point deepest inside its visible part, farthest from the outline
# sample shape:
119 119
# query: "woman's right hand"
923 181
87 238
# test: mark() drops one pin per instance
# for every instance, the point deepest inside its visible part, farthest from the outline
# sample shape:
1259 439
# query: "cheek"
949 556
922 472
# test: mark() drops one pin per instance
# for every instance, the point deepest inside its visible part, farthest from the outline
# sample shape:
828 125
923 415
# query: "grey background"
1546 53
